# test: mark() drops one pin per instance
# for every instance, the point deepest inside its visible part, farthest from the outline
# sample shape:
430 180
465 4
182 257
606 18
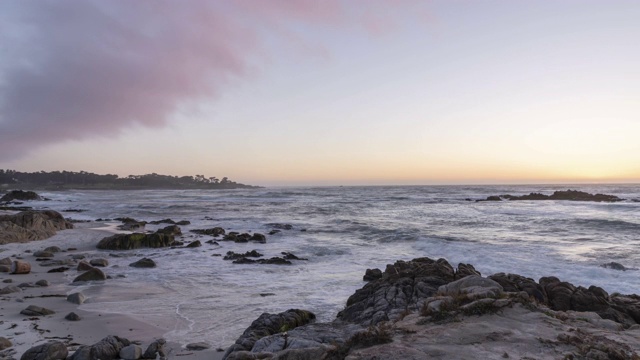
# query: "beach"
25 331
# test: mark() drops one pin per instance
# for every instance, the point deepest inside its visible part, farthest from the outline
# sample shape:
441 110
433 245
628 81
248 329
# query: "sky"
307 92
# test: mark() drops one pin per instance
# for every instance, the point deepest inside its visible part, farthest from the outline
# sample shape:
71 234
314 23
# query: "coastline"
24 332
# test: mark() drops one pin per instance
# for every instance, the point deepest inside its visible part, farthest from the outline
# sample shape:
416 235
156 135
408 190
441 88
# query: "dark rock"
274 261
244 260
183 222
20 195
84 266
257 237
269 324
135 241
5 343
33 310
10 289
132 226
6 261
194 244
233 256
154 349
171 230
144 263
558 292
106 349
6 281
53 249
31 225
465 270
42 283
212 242
73 317
164 221
614 266
99 262
216 231
372 274
5 268
93 274
198 346
290 256
26 285
570 195
53 350
402 287
76 298
273 232
517 283
58 269
280 226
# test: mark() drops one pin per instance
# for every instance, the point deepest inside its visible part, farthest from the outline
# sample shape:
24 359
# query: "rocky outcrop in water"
136 241
570 195
20 196
31 225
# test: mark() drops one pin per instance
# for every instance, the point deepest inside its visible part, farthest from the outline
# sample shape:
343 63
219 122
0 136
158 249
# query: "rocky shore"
427 309
418 309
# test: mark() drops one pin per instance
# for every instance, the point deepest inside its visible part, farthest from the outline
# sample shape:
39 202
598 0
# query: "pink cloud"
79 69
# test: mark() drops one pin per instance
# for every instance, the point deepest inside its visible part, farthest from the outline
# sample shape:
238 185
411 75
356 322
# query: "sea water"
197 296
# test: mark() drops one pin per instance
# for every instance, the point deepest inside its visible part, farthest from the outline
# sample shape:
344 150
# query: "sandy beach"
25 331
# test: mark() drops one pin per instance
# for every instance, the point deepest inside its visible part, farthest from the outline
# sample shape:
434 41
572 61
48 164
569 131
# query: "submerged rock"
216 231
135 241
144 263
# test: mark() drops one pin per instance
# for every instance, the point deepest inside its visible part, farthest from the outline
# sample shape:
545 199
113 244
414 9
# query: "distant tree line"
83 179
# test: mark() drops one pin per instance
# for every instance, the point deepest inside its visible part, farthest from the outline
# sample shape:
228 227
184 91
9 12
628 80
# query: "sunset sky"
324 92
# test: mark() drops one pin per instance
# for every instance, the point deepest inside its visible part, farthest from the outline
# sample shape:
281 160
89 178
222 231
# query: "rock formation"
31 225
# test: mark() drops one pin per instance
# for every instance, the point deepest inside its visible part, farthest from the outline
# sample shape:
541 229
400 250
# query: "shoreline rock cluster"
426 308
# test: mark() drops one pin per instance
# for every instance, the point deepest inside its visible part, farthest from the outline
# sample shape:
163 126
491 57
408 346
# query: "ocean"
197 296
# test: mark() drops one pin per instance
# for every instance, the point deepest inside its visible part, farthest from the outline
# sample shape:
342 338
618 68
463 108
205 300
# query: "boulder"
99 262
291 256
21 196
233 256
108 348
58 269
53 249
269 324
614 266
20 267
76 298
6 261
216 231
43 254
198 346
31 225
257 237
9 289
5 343
171 230
43 283
84 266
155 349
93 274
34 310
403 287
131 352
144 263
473 287
194 244
53 350
135 241
72 317
516 283
372 274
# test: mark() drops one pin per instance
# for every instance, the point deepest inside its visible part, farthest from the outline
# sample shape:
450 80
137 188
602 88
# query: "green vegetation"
87 180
